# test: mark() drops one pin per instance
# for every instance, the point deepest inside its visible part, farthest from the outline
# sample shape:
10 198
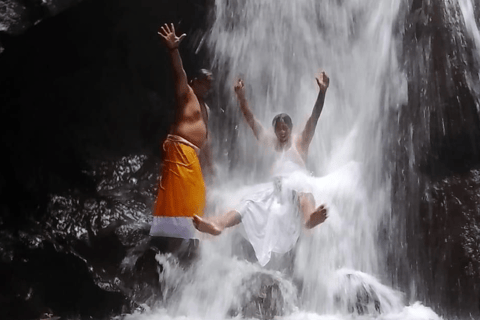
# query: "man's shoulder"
187 96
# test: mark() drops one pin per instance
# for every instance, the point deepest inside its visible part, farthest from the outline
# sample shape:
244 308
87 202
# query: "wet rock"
82 118
360 298
434 152
261 297
45 280
359 293
99 99
451 237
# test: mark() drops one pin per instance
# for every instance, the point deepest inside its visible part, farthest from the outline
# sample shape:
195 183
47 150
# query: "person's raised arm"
171 41
256 126
307 135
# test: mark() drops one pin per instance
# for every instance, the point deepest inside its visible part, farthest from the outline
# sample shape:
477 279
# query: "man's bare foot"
203 225
317 217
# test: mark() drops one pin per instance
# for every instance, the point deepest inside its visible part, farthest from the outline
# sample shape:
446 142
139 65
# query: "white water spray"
279 47
466 6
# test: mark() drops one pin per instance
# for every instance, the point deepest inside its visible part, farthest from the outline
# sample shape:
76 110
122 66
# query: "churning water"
278 47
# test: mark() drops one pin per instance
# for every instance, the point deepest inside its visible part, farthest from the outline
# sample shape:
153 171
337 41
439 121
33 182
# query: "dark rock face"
89 255
78 92
435 157
17 16
43 280
91 83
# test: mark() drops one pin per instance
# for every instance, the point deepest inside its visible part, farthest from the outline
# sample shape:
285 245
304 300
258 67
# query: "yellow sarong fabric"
181 192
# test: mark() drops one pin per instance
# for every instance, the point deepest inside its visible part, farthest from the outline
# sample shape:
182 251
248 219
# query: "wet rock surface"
44 280
434 160
80 259
91 83
261 298
80 91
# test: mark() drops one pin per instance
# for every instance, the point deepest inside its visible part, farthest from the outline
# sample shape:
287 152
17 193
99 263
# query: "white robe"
270 213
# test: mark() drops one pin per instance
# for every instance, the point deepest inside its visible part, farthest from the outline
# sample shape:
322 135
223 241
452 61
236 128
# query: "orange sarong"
181 192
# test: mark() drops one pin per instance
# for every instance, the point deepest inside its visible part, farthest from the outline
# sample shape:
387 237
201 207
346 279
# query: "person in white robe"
274 213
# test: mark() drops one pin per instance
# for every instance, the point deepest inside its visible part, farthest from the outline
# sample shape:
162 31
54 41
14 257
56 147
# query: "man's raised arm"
171 41
309 131
256 126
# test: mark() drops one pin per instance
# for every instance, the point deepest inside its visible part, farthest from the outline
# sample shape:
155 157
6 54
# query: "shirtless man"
294 152
181 192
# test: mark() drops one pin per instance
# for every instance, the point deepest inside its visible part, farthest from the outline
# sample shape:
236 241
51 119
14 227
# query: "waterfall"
468 14
382 125
278 47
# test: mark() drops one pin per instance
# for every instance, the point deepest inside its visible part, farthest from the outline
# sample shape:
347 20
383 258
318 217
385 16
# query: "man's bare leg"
215 225
312 216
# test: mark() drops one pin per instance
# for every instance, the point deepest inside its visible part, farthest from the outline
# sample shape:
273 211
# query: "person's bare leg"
215 225
312 216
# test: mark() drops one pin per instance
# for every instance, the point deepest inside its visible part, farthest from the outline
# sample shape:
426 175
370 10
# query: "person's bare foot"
203 225
317 217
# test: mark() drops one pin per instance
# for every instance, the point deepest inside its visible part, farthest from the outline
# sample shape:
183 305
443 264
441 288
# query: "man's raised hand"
169 38
240 88
323 81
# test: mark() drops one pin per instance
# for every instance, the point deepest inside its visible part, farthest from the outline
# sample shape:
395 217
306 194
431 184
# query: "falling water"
278 47
466 7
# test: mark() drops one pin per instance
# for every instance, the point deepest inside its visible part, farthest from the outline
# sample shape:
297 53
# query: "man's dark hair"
283 117
201 74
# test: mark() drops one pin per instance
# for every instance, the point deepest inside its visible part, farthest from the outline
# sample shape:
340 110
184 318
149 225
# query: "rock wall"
83 84
434 159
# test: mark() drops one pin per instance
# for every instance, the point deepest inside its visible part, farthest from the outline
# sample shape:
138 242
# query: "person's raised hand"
239 88
169 38
323 81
